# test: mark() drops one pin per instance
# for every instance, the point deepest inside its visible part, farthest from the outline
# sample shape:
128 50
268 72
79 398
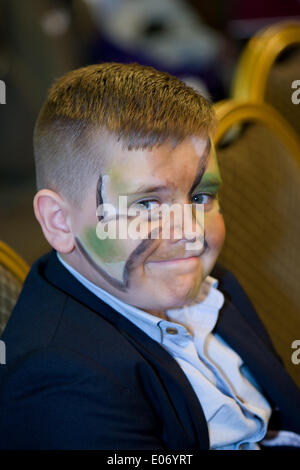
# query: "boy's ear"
53 214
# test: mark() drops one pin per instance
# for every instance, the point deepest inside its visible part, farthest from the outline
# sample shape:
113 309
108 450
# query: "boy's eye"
203 198
149 204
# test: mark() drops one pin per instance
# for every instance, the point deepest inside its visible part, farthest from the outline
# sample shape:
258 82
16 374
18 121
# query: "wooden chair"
268 67
260 199
13 271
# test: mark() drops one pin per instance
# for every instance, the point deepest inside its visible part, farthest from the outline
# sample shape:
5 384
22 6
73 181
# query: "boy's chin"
179 299
171 305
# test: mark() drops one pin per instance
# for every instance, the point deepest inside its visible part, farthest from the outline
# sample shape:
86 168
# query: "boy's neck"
158 313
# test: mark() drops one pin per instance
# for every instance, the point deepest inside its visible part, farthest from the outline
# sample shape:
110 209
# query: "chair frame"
13 262
231 113
259 55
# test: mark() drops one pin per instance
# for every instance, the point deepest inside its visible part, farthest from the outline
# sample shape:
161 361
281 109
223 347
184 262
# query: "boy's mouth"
176 260
188 258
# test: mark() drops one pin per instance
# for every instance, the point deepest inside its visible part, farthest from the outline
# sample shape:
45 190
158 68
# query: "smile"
177 260
187 259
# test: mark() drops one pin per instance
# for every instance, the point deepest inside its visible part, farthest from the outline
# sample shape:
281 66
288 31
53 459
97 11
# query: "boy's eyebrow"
149 189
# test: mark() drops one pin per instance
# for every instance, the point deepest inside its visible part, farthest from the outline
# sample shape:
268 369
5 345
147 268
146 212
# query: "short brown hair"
138 105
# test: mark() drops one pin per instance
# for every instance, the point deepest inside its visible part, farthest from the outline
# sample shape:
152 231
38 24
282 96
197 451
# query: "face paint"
109 262
202 161
112 272
198 243
99 200
108 256
211 180
130 262
207 187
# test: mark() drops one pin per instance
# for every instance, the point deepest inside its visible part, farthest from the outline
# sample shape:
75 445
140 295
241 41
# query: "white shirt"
236 412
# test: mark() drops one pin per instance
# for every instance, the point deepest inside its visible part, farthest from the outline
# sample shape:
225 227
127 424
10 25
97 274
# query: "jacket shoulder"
56 398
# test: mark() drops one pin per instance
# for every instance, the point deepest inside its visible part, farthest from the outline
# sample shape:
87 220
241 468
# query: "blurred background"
198 41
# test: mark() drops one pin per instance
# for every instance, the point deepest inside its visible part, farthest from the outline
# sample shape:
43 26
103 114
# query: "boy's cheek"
109 249
215 230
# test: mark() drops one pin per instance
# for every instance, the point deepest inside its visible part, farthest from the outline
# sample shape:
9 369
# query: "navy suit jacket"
79 375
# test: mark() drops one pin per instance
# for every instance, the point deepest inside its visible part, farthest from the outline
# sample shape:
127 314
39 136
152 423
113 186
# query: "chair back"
13 270
260 199
269 70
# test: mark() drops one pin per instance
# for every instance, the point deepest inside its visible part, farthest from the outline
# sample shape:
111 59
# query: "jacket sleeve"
53 399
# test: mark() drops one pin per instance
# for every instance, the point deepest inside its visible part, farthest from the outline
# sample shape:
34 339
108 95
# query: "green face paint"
117 180
211 179
210 182
107 250
108 254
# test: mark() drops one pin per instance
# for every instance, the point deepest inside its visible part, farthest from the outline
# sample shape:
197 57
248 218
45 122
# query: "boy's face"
155 272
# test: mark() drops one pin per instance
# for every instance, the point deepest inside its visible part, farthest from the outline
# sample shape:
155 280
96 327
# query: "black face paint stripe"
114 282
131 263
201 167
99 199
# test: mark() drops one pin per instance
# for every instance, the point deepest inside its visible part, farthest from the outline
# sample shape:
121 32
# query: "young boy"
125 337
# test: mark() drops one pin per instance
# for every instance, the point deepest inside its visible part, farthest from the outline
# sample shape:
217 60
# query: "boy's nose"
191 226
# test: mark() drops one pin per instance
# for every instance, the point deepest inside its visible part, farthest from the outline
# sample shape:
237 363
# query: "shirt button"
172 331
